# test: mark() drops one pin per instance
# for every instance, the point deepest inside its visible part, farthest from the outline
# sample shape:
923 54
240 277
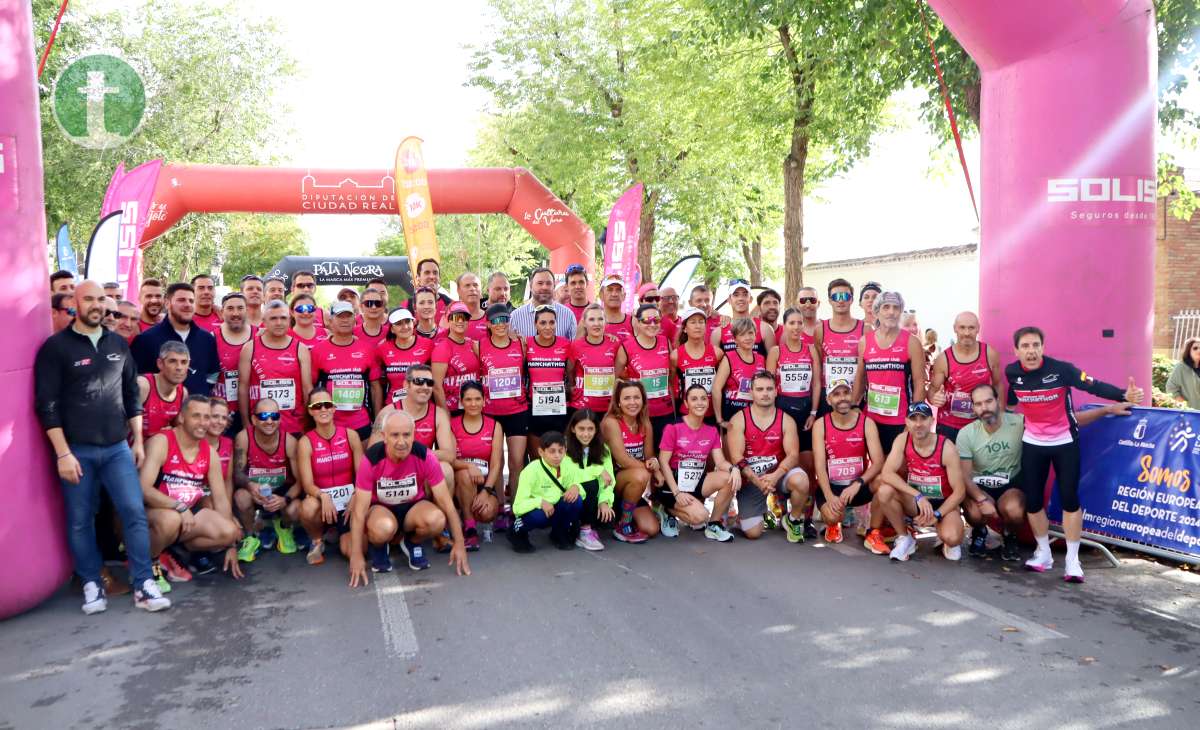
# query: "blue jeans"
110 466
566 516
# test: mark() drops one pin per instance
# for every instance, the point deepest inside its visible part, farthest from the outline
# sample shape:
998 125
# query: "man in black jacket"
87 401
178 326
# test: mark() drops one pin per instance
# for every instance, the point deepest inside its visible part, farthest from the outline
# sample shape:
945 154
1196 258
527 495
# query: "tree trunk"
793 172
752 252
645 256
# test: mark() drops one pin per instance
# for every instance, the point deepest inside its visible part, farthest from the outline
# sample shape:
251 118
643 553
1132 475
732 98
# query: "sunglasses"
457 317
306 285
110 313
428 382
502 319
69 310
321 405
651 300
120 316
251 277
575 269
807 300
651 320
735 282
305 308
372 303
268 416
841 296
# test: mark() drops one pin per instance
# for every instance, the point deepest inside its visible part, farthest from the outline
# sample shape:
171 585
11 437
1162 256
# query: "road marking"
398 631
1030 628
622 566
1170 617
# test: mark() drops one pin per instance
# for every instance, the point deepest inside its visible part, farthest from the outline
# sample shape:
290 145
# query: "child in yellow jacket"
544 500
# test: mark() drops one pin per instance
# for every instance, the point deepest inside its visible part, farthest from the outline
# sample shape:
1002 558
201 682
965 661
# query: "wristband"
489 490
937 514
918 498
743 464
63 456
180 507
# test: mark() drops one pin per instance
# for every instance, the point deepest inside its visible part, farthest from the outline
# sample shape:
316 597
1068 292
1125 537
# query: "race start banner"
1135 480
621 245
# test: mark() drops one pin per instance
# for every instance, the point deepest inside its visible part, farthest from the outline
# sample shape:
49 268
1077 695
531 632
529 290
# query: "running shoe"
286 540
160 580
1041 561
874 542
175 572
442 543
770 521
380 562
249 548
267 536
94 600
630 533
589 540
471 540
303 541
519 539
905 546
810 530
150 598
952 553
716 531
978 548
562 540
415 554
1073 571
667 524
503 521
793 530
1011 551
833 532
202 563
316 553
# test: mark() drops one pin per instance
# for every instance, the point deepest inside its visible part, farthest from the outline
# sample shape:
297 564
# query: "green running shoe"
248 550
770 522
793 530
287 541
160 578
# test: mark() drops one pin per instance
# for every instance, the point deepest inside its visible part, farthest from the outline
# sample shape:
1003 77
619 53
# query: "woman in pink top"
686 447
304 314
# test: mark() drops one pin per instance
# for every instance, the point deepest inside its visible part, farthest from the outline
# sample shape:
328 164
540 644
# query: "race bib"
479 464
182 490
845 470
991 481
397 491
504 383
637 451
690 474
549 399
960 405
699 376
745 390
883 400
274 477
398 394
840 368
280 390
762 464
340 495
598 382
929 485
231 386
348 391
795 378
655 383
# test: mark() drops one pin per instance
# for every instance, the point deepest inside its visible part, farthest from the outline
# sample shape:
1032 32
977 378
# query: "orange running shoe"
875 543
175 571
833 532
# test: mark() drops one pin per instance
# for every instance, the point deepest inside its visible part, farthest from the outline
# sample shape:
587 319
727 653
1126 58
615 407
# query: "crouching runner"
393 487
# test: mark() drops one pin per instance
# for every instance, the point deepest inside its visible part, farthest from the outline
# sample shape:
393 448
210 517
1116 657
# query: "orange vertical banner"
414 204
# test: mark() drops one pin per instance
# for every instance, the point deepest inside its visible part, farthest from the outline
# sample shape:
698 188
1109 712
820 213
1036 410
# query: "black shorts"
728 409
658 424
799 409
514 424
539 425
861 498
666 498
400 511
997 492
888 433
950 432
364 433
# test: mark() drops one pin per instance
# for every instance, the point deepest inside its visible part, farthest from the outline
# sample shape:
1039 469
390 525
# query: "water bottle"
485 531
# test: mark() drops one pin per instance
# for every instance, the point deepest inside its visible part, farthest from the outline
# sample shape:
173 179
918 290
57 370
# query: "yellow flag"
412 200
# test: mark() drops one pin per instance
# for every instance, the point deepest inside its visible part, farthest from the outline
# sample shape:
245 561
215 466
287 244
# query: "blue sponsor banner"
1137 478
66 254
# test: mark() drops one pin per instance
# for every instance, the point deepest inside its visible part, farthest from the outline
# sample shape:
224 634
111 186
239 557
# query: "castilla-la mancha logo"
99 101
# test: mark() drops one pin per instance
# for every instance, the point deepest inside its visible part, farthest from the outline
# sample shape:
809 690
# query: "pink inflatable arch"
1069 99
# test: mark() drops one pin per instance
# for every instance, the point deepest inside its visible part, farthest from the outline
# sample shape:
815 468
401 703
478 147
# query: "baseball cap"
839 383
610 280
348 289
889 297
341 307
459 308
735 284
691 312
648 286
499 309
399 314
920 409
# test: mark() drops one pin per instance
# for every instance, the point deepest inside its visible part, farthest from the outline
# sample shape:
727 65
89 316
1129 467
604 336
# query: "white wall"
938 289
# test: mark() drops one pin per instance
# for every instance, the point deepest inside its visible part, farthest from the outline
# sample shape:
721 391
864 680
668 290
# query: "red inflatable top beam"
183 189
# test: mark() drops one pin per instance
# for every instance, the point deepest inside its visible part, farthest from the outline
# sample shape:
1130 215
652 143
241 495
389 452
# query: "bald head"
89 304
398 429
966 329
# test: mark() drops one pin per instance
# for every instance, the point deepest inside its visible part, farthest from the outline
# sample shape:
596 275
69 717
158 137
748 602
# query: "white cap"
611 279
341 307
690 312
399 314
735 285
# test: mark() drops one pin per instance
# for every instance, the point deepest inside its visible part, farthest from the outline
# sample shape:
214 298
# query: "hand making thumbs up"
1133 394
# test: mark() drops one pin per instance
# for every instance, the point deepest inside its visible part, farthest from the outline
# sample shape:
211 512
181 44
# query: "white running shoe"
94 600
589 540
148 597
667 524
1073 571
717 532
1041 561
905 546
952 553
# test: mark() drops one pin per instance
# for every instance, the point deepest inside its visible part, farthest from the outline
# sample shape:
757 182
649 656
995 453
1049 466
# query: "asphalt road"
669 634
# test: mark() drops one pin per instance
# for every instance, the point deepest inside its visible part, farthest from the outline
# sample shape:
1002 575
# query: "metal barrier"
1186 325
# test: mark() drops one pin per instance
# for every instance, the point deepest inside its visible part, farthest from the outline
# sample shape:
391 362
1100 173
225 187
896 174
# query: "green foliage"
1160 369
210 75
260 242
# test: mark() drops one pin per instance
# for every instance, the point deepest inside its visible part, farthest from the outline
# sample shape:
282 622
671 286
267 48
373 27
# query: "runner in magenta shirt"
394 485
478 463
649 360
393 356
344 364
304 320
546 356
594 360
454 359
374 325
